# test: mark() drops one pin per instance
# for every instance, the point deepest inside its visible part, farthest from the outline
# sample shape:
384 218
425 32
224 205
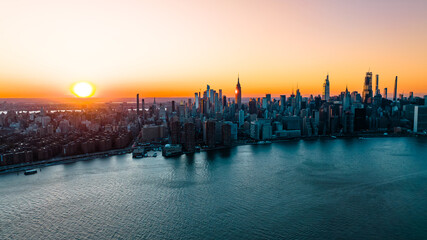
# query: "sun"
83 89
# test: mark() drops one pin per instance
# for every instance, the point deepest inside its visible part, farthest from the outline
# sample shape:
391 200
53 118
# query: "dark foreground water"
351 189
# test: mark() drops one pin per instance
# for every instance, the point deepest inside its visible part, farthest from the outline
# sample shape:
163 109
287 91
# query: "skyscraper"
367 87
282 102
189 137
173 106
137 104
395 90
196 100
376 86
252 106
268 96
238 94
207 89
385 93
326 91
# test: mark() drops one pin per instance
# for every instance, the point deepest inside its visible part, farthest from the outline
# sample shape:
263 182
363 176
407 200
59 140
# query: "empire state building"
238 93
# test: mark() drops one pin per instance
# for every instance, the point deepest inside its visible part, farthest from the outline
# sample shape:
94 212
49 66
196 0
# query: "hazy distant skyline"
175 48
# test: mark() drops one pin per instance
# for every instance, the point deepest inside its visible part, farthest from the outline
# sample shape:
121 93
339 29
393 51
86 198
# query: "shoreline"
122 151
61 160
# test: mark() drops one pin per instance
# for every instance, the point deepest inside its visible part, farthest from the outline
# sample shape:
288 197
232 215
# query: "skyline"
158 50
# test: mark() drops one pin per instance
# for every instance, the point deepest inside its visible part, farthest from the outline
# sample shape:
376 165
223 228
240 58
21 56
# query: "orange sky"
174 48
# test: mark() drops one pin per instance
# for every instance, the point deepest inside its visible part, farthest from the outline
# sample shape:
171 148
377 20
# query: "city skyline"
379 88
159 49
224 119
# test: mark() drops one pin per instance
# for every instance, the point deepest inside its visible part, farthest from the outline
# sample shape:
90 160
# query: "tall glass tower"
326 91
367 87
238 94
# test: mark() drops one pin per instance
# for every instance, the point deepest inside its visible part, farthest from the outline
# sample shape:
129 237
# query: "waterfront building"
255 130
175 129
149 133
189 142
267 131
420 118
209 133
226 134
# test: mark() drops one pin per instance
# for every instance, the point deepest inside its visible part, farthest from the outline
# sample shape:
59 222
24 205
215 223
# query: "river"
325 189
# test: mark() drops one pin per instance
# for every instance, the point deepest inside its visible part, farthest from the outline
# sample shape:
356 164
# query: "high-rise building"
377 91
367 87
268 96
189 137
252 106
282 103
173 106
210 133
385 93
175 130
420 118
238 92
298 100
226 134
143 107
241 117
326 89
395 90
137 104
196 100
264 103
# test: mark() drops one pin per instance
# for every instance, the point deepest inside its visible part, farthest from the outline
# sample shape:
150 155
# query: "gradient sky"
174 48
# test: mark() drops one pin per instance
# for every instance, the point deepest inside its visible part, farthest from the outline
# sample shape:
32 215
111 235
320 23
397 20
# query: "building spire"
238 79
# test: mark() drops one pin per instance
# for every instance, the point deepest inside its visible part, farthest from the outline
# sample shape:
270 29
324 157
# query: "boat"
29 172
170 150
138 152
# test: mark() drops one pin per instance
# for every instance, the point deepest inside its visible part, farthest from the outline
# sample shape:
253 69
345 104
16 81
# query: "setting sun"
83 89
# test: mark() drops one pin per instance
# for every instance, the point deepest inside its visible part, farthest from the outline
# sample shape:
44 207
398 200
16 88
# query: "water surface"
323 189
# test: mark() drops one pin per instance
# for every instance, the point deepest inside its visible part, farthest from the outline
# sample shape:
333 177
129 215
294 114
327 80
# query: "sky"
169 48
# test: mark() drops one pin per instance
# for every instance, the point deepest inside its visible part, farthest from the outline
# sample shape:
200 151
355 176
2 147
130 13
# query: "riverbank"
311 138
62 160
85 157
